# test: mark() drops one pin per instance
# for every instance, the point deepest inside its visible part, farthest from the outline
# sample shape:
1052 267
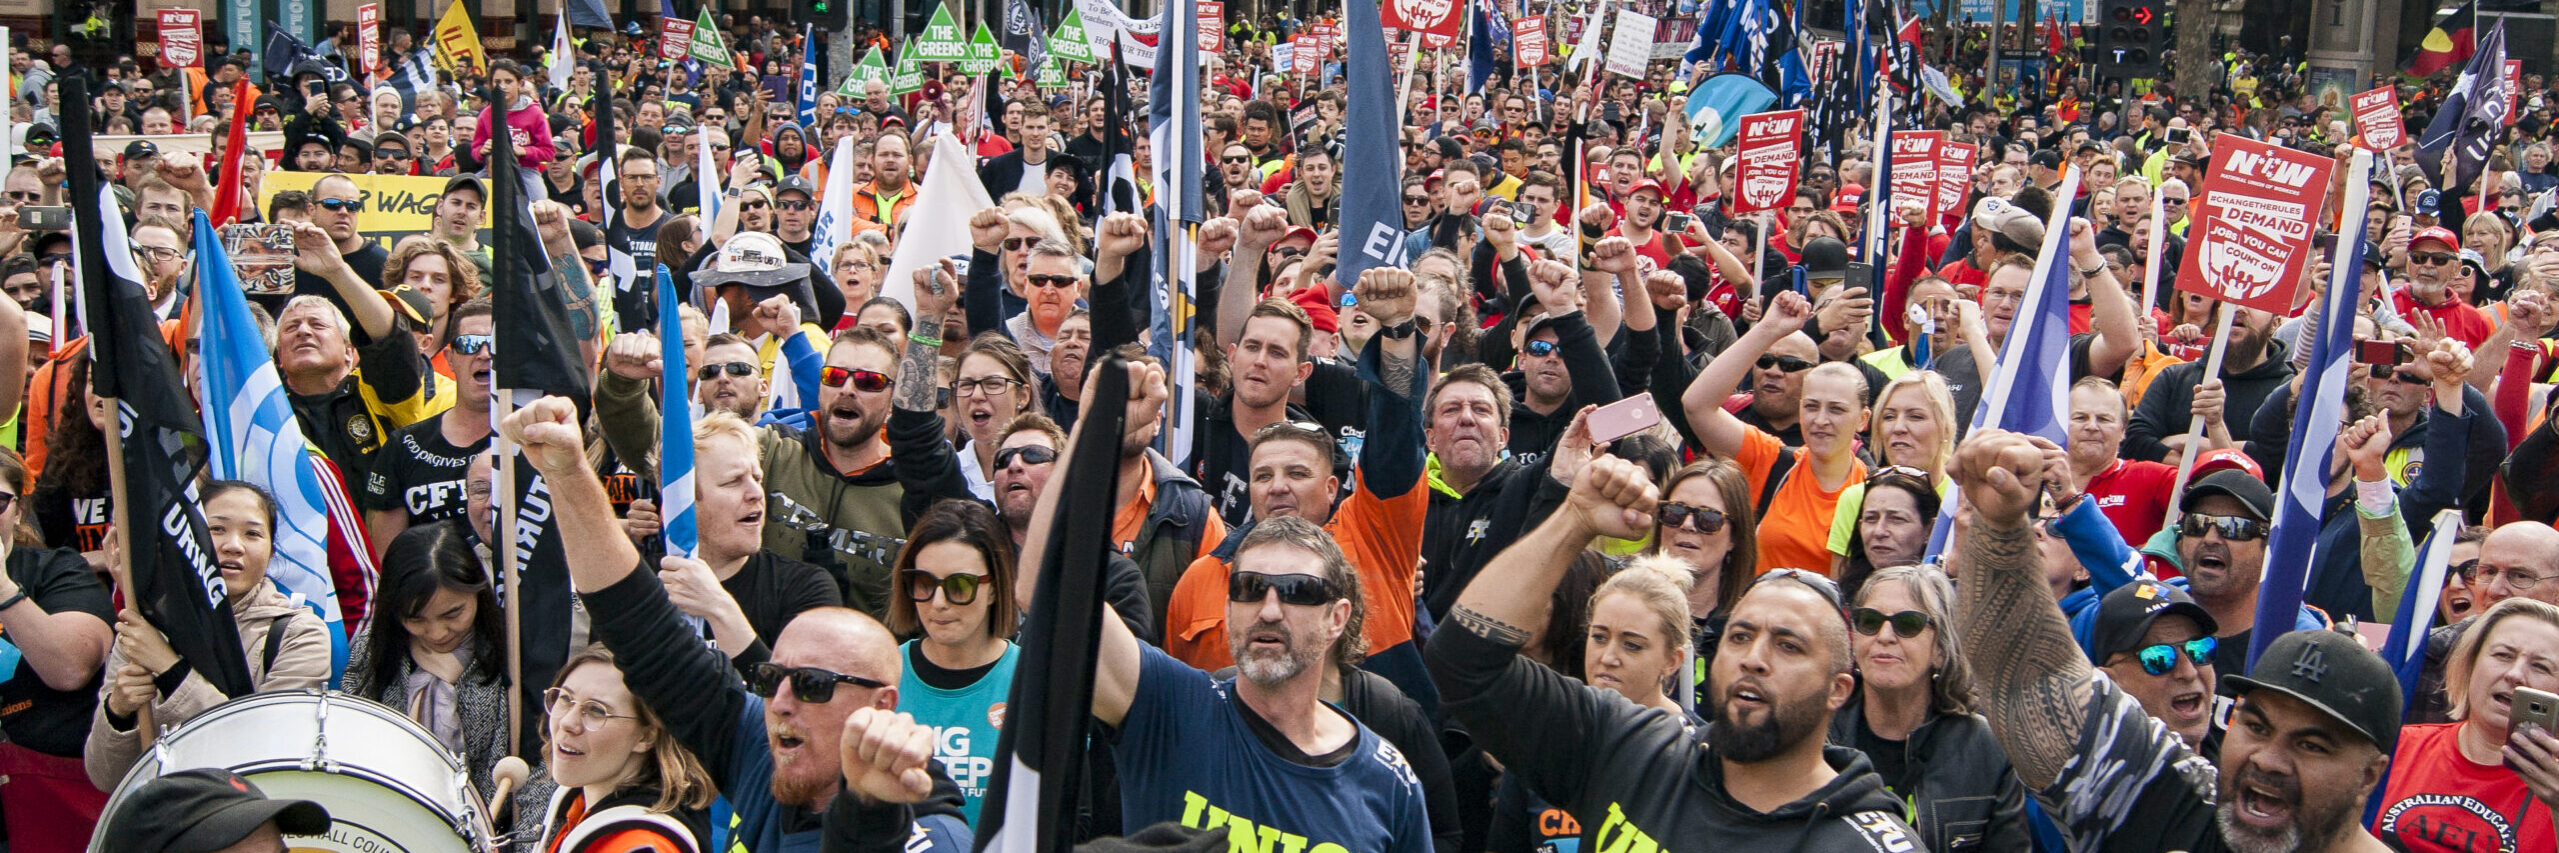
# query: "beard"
1270 667
2312 827
1787 722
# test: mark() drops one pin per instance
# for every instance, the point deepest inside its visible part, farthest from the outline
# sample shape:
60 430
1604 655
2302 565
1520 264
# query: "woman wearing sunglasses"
1706 523
956 607
1913 716
436 649
625 783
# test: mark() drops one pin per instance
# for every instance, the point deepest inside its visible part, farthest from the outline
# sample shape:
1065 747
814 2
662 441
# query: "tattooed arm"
919 377
2033 679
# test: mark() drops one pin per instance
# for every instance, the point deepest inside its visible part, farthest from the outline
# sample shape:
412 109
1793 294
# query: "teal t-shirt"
965 721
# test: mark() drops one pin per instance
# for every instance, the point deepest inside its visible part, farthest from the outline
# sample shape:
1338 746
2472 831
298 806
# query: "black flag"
1039 757
176 583
536 355
1119 166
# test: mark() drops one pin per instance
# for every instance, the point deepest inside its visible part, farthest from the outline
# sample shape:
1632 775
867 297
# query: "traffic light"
828 15
2132 36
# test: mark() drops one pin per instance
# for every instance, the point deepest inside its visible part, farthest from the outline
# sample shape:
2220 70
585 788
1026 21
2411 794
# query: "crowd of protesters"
1399 595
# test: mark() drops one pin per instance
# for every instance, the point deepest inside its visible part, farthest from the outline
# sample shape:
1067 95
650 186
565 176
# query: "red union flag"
368 29
1528 37
1436 41
1914 172
1309 56
1436 17
2514 87
1326 36
2377 117
2253 216
1212 20
1768 149
1954 177
675 38
181 38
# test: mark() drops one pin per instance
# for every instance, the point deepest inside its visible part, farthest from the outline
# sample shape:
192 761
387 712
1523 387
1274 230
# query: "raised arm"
1257 228
2033 680
1615 269
2110 309
547 432
318 255
1115 667
1716 429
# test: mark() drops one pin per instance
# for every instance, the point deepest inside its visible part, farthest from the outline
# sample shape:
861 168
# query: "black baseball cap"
1825 259
796 184
2238 484
139 148
468 182
202 810
2124 616
2334 673
2048 158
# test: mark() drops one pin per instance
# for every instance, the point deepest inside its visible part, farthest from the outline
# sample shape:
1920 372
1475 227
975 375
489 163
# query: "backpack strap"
275 640
1777 474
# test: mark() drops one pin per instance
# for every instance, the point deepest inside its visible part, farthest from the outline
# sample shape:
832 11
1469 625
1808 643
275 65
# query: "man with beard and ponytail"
1761 778
2310 736
773 743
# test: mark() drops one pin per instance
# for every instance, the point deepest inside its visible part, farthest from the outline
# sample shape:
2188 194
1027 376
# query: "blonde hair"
1941 405
715 426
1658 582
2465 654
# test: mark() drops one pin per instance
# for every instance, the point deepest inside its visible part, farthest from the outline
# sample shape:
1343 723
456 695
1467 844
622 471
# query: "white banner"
1630 47
1104 20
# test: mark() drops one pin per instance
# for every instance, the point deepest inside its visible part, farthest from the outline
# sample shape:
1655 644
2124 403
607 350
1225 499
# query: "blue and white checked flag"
1175 106
675 429
252 435
808 75
2318 415
2030 393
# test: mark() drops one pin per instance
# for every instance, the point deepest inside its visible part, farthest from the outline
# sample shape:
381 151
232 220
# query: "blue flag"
1173 104
1716 106
675 429
2405 649
2318 415
1482 60
286 56
1372 177
251 434
808 75
2030 392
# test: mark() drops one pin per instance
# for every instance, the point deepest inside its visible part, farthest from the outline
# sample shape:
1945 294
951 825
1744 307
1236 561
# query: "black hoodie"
1620 768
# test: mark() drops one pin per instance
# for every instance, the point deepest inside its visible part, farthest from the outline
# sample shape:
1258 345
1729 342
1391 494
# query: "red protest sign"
1437 17
1528 38
1914 174
1326 35
2252 223
181 38
368 36
2513 88
1212 20
1768 148
2377 119
1436 41
1309 58
1954 176
675 38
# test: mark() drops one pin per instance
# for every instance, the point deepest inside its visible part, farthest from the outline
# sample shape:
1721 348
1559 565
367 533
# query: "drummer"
208 810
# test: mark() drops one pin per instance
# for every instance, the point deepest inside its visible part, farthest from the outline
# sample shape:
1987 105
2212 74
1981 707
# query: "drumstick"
511 773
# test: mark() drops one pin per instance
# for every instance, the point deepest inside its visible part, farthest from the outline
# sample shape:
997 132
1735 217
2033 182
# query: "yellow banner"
395 206
457 45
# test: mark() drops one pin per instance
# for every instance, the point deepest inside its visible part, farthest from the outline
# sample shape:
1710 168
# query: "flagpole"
2195 426
502 404
2150 265
1403 89
122 518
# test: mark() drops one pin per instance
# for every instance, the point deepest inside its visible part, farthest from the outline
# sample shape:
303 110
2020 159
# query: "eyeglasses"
1054 282
1906 624
809 683
2230 527
1300 590
866 381
339 205
390 154
159 253
1540 349
2462 569
1417 199
1030 454
959 590
1237 161
2432 258
2516 579
793 205
472 344
2406 377
562 705
2161 658
753 205
1897 471
7 500
732 368
1701 519
1786 363
989 386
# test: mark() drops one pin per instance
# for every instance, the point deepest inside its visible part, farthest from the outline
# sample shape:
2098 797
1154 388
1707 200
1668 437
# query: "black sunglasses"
1030 454
1870 621
1707 521
733 368
2161 658
959 590
2230 527
339 205
1058 282
809 683
1787 363
1300 590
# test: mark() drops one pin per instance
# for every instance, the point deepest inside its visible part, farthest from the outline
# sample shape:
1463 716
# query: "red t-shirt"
2459 319
2440 800
2134 495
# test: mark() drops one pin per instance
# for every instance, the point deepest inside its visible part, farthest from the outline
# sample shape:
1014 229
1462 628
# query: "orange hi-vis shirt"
1381 536
1794 532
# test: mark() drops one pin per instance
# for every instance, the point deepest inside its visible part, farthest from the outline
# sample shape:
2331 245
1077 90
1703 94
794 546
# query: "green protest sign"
909 75
942 40
1069 42
983 52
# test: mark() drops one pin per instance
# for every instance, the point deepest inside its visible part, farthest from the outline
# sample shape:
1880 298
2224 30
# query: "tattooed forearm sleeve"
919 375
2033 679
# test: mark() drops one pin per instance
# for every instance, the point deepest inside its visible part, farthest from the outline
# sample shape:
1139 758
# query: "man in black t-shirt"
2311 736
634 234
418 475
58 614
335 201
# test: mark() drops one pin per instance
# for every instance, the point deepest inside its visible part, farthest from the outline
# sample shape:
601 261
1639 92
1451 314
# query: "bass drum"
388 786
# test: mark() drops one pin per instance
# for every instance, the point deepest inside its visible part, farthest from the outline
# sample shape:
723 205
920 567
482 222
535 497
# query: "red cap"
1319 308
1435 177
1647 184
1296 232
2438 234
2227 459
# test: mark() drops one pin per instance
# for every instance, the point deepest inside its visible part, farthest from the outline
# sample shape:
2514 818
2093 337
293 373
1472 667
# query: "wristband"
2092 272
918 337
14 599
